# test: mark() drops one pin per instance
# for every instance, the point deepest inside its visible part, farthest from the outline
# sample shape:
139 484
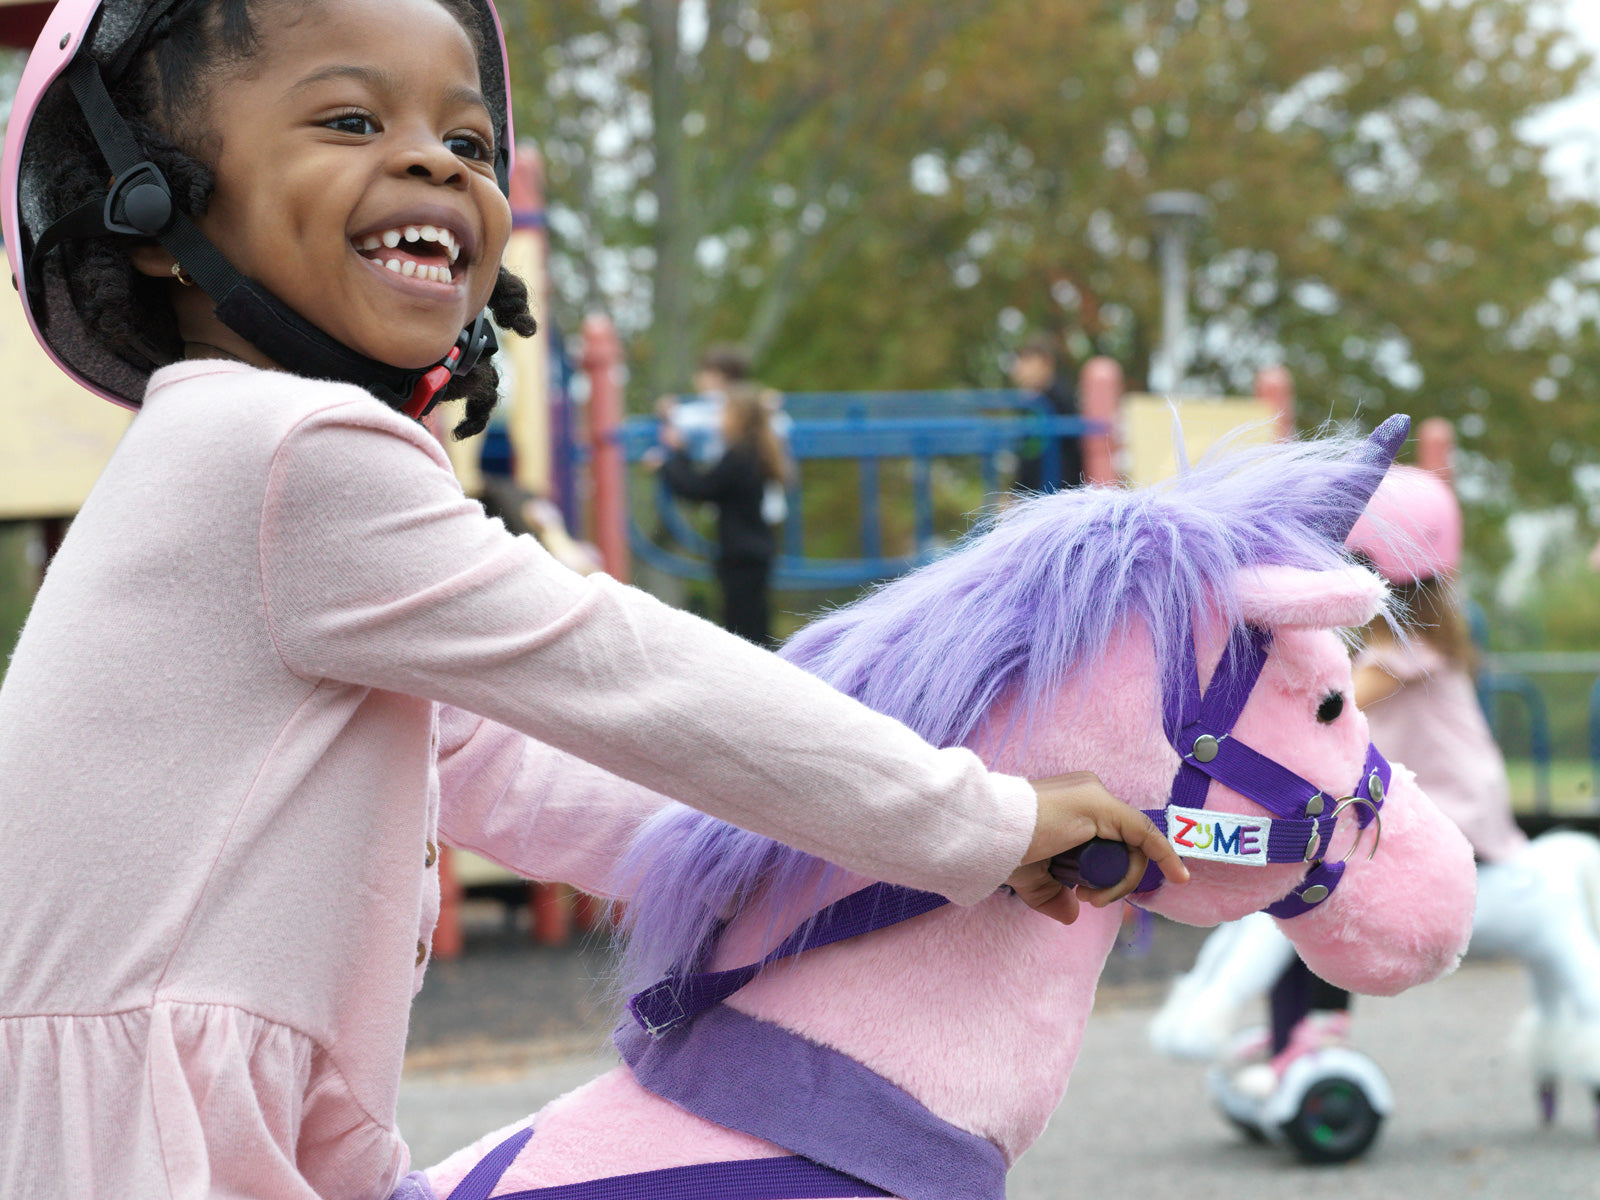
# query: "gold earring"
181 275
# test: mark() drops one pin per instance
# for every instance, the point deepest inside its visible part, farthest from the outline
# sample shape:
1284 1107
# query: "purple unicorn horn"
1368 465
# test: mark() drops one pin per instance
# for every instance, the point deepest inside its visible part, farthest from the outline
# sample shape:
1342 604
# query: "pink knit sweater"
1433 724
240 716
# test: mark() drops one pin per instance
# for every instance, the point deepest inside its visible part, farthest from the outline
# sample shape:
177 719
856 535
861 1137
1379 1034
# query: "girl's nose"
429 158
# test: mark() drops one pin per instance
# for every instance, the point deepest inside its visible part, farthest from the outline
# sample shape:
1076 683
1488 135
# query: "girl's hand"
671 436
1073 809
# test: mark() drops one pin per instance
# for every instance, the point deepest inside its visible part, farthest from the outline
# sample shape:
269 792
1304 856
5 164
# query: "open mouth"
416 251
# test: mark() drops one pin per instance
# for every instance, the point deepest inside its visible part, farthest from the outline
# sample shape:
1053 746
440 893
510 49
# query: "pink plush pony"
922 1058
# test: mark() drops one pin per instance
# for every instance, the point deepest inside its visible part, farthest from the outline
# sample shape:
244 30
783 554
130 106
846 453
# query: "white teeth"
429 233
391 238
394 265
408 267
371 242
411 233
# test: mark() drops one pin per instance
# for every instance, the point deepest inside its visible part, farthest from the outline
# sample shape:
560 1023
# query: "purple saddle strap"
678 999
787 1178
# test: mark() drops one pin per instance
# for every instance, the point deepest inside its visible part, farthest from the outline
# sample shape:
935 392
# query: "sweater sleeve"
532 808
377 571
685 479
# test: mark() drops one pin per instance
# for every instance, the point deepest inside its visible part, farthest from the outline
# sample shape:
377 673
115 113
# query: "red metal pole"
1436 448
602 362
1275 386
447 940
550 914
1100 399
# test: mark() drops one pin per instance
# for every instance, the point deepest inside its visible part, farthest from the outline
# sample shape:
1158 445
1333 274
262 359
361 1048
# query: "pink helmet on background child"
1411 530
86 48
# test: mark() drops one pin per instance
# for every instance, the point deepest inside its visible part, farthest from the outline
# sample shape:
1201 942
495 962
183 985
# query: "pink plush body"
979 1012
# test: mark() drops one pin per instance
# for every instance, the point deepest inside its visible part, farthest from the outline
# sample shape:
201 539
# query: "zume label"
1219 836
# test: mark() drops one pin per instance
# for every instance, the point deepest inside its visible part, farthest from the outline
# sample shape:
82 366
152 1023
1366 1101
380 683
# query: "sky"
1573 129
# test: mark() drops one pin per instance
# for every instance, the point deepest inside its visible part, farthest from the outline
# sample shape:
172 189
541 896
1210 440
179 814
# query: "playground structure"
920 428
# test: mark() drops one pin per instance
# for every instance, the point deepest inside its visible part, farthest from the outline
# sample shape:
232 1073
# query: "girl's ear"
153 259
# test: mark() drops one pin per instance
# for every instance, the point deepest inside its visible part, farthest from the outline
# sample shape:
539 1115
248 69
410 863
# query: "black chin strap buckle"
140 202
475 341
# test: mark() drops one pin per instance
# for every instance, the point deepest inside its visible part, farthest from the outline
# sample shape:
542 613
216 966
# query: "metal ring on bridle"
1377 825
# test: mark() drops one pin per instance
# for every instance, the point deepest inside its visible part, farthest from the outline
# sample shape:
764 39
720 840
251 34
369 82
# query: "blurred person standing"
722 366
1035 368
752 461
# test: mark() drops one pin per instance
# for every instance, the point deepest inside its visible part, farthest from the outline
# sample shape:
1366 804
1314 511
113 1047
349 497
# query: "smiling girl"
280 657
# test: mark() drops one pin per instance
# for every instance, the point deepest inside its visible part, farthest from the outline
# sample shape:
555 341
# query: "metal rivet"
1312 845
1315 894
1314 806
1205 748
1375 787
66 39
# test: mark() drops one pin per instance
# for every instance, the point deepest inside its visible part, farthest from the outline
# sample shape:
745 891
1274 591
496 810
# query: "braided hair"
186 53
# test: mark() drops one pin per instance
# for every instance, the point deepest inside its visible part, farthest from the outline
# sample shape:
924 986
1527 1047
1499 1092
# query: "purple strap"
1273 786
1187 717
678 999
1295 904
762 1079
480 1181
785 1178
1328 874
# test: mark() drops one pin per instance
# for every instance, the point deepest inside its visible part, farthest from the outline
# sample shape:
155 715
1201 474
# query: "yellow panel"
1147 421
528 422
464 456
55 436
470 870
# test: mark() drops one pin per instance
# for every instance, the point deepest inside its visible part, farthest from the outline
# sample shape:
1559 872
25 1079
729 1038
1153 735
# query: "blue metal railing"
1496 683
866 427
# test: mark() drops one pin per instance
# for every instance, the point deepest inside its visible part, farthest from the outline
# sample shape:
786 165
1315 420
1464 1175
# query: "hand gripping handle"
1098 863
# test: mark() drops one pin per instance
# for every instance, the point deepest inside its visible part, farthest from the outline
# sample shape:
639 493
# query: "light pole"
1175 215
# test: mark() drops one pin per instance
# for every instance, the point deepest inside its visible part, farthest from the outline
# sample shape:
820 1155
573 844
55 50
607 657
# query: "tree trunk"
674 236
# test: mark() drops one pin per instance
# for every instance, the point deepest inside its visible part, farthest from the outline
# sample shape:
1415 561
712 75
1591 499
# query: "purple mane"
1033 597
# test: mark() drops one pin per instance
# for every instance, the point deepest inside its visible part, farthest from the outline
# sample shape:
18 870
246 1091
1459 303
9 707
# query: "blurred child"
751 461
1035 369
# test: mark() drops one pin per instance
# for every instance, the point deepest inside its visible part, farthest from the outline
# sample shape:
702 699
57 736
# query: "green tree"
890 192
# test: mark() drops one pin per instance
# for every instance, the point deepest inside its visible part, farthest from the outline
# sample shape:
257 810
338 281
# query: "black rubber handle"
1099 863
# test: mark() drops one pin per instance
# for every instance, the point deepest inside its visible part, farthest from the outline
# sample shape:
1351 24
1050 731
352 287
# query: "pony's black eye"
1330 708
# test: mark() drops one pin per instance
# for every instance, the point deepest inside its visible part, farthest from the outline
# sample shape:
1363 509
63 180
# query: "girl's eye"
1330 708
356 123
469 145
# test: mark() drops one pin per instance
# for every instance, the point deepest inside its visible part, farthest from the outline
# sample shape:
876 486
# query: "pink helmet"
1412 528
86 47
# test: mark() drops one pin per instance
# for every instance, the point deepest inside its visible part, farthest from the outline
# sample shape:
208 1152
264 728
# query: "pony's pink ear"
1305 599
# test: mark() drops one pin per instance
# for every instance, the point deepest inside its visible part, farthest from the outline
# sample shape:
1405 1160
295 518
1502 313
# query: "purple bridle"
1301 827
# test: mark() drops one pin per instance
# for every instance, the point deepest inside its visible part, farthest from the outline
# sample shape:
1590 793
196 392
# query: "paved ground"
1131 1125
